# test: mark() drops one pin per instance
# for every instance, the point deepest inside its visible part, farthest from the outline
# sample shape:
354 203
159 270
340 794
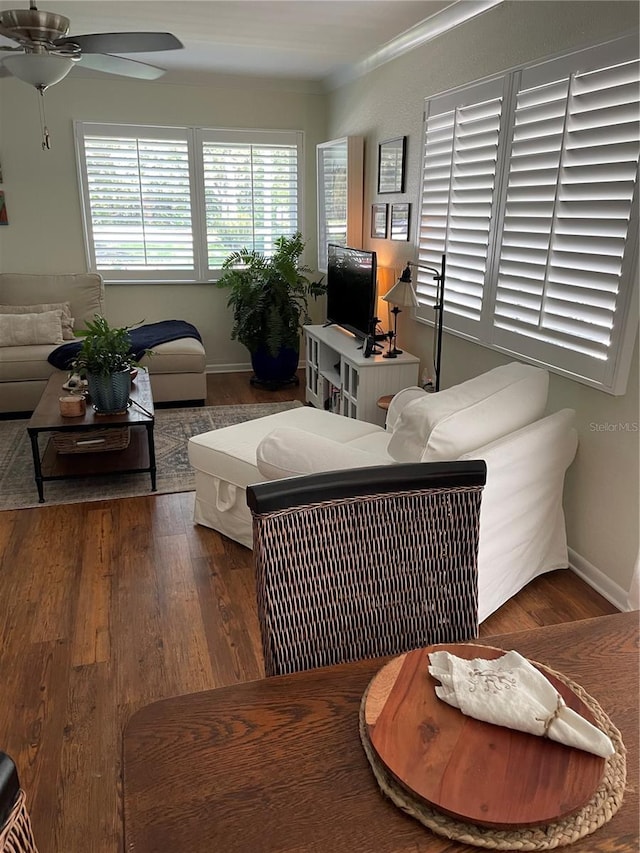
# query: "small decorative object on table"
72 406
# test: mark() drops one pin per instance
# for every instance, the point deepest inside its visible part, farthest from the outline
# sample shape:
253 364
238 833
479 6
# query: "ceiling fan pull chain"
46 143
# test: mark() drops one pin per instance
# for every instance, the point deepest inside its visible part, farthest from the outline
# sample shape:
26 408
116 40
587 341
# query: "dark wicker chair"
15 827
366 562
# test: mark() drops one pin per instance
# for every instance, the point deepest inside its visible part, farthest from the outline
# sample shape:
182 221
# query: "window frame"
195 137
611 377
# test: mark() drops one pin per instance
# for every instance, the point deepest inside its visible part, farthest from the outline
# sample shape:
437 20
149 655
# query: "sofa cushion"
444 425
186 355
23 330
25 364
83 291
288 452
65 307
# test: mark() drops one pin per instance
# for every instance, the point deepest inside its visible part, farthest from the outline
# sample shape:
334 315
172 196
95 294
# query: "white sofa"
176 368
498 417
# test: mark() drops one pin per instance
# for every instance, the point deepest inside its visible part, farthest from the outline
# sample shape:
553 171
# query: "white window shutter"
251 196
458 203
171 203
551 275
138 194
570 199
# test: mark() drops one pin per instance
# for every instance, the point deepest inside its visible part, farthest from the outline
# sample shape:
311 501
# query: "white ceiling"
310 40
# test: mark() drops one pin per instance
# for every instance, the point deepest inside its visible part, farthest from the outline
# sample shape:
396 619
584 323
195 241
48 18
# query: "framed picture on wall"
391 157
379 216
400 221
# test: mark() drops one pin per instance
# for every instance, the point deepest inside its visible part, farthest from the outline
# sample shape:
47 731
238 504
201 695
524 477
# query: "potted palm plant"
105 360
269 297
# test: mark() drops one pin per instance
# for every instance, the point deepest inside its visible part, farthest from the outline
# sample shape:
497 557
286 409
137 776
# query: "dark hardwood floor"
108 606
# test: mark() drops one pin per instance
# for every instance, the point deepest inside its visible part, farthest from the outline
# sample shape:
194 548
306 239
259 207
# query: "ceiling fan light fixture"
39 69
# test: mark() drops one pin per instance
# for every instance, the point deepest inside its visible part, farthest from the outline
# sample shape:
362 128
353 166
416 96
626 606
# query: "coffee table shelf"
132 460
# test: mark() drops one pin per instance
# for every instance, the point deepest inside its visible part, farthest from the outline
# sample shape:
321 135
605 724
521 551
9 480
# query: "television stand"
338 372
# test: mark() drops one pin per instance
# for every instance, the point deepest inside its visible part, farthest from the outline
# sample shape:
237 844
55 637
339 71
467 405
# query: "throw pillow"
65 307
288 452
442 426
17 330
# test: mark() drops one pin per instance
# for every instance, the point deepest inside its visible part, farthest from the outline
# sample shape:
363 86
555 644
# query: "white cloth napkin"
510 692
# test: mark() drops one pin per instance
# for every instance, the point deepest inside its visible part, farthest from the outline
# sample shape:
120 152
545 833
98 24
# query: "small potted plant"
269 297
105 360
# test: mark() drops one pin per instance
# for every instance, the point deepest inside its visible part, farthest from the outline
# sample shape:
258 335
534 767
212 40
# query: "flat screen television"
351 289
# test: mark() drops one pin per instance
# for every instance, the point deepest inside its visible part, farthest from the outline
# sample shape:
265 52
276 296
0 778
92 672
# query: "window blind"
534 199
251 197
573 171
139 201
170 204
458 189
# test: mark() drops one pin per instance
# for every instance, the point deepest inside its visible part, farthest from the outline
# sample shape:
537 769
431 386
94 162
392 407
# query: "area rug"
172 430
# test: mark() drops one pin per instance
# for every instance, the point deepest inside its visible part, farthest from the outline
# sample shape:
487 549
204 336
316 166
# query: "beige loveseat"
177 368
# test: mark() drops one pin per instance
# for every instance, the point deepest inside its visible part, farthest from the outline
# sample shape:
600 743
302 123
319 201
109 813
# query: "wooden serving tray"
466 768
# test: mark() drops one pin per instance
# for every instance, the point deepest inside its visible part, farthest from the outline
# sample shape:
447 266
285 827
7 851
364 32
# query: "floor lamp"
405 279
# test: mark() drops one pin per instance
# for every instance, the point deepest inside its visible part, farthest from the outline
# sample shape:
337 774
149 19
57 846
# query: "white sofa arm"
399 401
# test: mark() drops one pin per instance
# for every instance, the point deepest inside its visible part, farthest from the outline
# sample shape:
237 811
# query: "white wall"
41 187
601 496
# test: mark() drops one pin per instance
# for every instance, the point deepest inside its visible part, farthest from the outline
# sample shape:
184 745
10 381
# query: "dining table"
277 765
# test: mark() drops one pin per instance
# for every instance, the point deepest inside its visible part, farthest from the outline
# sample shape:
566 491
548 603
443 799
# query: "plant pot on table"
110 393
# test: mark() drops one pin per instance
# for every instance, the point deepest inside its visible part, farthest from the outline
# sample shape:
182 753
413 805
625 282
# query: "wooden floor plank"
110 605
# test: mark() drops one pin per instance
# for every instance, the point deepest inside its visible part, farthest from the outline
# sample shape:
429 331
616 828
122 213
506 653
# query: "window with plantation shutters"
559 281
251 191
170 204
340 187
139 202
459 196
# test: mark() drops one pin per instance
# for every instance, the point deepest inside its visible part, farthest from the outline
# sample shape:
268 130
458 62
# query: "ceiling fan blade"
123 67
122 42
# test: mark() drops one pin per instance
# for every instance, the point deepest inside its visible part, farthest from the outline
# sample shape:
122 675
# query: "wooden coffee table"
138 457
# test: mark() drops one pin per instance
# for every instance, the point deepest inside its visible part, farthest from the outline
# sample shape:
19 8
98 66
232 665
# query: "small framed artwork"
379 215
4 218
391 157
400 221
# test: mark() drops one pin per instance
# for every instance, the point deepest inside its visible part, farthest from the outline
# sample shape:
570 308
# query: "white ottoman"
225 463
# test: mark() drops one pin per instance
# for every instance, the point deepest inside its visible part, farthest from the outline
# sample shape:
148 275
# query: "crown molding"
427 30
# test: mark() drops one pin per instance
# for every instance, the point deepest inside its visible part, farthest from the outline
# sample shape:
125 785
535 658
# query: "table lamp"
402 293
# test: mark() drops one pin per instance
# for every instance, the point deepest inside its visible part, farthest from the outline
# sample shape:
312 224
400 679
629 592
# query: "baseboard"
599 581
238 368
228 368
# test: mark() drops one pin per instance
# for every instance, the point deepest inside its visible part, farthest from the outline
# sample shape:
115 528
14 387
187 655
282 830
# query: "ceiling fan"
46 53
